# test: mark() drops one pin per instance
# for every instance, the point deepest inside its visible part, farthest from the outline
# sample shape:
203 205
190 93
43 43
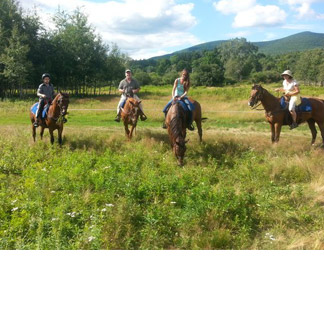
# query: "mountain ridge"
297 42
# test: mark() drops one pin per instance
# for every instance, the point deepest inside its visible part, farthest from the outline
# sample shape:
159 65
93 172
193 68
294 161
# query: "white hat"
287 72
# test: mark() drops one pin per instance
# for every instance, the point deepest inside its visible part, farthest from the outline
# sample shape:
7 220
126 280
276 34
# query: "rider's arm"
136 90
185 93
294 92
174 87
39 94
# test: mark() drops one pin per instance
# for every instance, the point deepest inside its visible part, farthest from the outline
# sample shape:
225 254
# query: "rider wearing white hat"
291 90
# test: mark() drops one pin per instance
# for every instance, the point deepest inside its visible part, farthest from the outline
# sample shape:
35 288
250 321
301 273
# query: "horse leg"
131 132
60 131
272 128
42 132
277 127
197 118
311 125
34 131
198 124
52 135
321 127
126 130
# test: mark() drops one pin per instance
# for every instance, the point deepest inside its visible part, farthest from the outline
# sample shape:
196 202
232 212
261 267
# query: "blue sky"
146 28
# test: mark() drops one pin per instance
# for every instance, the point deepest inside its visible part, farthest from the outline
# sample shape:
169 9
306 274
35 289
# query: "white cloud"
260 16
135 26
233 6
305 11
303 8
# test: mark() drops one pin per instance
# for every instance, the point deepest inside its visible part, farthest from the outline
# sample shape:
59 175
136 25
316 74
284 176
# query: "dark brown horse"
177 121
130 114
54 118
276 116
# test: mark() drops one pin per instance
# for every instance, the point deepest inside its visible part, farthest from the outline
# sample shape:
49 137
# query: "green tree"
14 61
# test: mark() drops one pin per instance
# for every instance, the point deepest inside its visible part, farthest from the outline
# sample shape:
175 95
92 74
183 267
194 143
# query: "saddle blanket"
33 109
305 105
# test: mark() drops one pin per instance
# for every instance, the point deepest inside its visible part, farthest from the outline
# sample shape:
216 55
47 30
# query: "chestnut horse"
276 116
54 118
130 114
177 120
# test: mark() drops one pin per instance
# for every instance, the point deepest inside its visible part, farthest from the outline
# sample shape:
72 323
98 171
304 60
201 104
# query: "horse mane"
177 121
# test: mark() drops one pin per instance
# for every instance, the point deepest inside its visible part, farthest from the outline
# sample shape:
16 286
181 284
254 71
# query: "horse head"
179 149
133 107
256 95
63 102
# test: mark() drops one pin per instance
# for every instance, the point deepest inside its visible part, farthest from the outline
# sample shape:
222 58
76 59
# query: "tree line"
232 62
80 62
72 52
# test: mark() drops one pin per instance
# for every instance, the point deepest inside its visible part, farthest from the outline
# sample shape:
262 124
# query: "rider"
179 92
45 92
291 90
128 87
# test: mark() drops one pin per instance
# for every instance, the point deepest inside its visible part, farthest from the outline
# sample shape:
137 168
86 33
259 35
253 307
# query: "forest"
80 62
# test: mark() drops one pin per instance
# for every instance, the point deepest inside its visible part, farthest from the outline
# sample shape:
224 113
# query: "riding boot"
191 127
117 119
143 117
293 125
36 119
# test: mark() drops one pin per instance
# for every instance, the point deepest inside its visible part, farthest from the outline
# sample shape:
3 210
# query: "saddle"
34 108
303 108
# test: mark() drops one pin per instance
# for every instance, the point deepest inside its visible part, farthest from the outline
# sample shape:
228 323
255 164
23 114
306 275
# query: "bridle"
258 97
63 107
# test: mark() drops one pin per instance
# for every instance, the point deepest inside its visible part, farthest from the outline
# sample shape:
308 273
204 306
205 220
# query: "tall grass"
99 191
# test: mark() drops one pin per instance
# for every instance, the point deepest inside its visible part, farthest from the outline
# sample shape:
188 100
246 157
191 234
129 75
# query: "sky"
148 28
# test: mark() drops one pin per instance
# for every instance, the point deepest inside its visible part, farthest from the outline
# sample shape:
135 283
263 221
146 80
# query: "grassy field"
99 191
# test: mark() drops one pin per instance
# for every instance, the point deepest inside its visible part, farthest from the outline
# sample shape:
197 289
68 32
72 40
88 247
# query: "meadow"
100 191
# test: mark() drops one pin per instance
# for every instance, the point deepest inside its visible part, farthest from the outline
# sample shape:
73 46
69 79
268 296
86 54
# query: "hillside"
297 42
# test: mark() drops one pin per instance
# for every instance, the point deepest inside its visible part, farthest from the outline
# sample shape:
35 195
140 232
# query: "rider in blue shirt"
179 92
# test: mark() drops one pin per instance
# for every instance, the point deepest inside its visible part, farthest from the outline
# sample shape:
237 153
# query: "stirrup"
191 127
164 126
117 119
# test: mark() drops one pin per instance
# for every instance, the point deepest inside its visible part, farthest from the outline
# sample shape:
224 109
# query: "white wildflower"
44 169
73 214
14 201
110 205
53 191
173 202
104 209
14 209
91 238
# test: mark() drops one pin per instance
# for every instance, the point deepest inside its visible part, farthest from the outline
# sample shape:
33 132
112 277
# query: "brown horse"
177 121
54 118
130 114
276 116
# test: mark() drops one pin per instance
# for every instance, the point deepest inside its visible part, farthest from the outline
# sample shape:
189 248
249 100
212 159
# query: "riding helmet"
45 75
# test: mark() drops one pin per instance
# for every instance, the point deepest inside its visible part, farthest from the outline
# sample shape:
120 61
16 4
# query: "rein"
255 107
58 119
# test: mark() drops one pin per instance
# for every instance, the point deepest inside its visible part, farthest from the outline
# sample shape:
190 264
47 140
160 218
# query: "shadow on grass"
223 152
